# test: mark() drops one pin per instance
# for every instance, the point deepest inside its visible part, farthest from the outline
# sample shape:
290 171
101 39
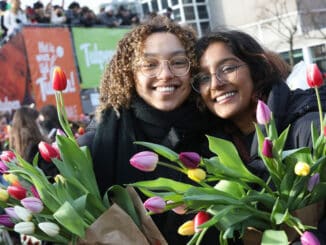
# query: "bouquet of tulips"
68 209
283 208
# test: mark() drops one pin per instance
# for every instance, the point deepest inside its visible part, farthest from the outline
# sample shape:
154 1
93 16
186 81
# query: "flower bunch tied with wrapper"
67 209
225 195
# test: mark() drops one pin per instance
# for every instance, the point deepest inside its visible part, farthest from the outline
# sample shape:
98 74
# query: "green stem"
320 110
202 234
297 230
172 166
261 214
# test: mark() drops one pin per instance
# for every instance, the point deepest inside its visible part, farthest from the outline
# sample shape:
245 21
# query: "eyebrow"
177 52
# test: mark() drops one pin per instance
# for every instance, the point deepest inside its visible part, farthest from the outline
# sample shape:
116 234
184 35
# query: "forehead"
162 44
217 53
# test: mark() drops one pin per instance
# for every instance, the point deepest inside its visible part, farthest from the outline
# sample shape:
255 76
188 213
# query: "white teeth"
165 89
224 96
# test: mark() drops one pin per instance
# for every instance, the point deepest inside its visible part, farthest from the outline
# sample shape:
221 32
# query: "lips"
166 88
224 96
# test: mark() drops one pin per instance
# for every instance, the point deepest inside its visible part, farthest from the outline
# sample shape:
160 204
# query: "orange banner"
47 47
14 90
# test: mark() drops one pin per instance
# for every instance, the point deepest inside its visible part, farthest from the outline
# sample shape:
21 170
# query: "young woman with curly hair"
146 95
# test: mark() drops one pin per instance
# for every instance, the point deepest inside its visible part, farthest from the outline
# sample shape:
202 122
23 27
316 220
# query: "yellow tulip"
11 178
302 169
187 228
196 174
59 179
3 195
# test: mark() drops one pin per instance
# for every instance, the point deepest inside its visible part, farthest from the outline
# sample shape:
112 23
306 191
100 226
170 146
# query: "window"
186 1
154 5
204 28
165 4
297 56
176 15
175 2
145 8
202 12
189 13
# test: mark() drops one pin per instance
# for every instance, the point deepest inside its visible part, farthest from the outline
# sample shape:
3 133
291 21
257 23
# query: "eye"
178 62
149 64
228 69
203 78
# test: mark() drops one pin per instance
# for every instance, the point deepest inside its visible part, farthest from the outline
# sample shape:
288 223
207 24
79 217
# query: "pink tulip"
3 168
201 218
263 113
35 192
145 161
33 204
189 159
267 150
314 76
7 156
47 151
308 238
182 209
11 212
155 204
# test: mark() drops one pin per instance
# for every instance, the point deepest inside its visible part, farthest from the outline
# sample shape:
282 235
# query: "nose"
165 71
216 82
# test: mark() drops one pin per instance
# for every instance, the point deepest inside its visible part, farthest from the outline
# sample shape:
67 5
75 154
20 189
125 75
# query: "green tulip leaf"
231 187
273 237
161 150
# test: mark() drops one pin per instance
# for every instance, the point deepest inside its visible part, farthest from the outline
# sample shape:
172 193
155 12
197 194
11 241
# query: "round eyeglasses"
224 74
152 67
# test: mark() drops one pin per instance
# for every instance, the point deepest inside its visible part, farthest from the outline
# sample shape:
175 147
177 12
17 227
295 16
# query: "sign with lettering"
95 47
14 79
46 48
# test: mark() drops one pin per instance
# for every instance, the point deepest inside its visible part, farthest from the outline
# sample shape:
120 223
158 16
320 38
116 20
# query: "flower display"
226 196
62 209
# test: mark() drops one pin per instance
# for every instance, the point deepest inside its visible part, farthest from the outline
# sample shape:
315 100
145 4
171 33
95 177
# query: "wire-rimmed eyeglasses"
224 74
152 67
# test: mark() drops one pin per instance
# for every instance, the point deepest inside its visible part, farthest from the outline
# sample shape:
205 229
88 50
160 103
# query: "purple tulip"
33 204
267 150
263 113
35 192
155 204
3 168
308 238
11 212
313 181
145 161
6 221
189 159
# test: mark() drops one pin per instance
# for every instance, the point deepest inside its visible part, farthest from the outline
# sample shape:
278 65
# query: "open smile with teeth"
225 96
166 88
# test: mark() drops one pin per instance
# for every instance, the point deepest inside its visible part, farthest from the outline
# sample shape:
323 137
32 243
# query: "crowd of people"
165 86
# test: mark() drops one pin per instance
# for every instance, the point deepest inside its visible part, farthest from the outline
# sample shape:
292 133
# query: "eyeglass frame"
218 71
169 66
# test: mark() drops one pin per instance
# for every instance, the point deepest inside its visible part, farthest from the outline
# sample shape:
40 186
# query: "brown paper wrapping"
309 215
115 227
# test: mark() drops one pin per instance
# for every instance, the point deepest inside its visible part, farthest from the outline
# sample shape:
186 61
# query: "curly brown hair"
118 83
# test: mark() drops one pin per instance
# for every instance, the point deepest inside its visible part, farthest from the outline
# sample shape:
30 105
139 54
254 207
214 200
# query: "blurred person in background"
108 18
73 14
41 14
49 121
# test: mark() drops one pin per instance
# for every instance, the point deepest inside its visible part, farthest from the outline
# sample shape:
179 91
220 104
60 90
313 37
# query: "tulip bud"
12 179
6 220
314 76
308 238
313 181
187 228
4 196
81 131
325 131
302 169
263 113
60 132
11 212
145 161
182 209
23 213
8 156
17 192
200 218
35 192
3 167
189 159
155 204
49 228
59 79
196 174
267 150
47 151
26 228
33 204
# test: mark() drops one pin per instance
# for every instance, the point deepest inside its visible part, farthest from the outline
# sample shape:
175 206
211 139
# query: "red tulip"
7 156
145 161
314 76
200 218
81 131
47 151
17 192
263 113
59 79
189 159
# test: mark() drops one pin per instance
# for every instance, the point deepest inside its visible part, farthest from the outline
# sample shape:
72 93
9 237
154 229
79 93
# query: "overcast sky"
93 4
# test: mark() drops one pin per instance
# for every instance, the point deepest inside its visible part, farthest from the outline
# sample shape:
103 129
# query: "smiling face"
165 91
228 99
